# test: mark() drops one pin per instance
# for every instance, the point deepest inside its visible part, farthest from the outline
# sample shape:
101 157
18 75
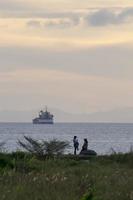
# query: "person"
85 151
85 145
75 144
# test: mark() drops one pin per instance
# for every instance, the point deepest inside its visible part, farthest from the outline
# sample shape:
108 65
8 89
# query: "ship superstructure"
44 117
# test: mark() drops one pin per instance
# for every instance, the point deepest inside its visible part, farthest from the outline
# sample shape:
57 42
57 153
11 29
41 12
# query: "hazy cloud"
34 24
12 5
125 14
54 23
95 17
58 65
101 17
38 13
111 61
105 17
61 23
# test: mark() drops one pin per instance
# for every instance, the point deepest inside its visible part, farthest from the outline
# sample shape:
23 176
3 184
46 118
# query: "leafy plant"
88 196
33 146
2 148
42 148
55 147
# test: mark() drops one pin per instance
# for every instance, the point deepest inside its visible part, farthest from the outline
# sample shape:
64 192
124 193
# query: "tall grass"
25 177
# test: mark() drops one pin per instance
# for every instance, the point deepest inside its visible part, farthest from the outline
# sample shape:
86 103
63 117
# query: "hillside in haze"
117 115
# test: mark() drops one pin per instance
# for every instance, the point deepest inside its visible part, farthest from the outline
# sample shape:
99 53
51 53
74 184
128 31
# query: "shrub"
43 148
55 147
2 146
88 196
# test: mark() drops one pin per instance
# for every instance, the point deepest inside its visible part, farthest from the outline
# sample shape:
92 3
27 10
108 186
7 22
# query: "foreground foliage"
43 148
26 177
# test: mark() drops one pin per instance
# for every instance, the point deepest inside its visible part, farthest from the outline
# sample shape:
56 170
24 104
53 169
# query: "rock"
88 152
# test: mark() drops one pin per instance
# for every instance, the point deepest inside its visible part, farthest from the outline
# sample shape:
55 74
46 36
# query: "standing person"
75 144
85 145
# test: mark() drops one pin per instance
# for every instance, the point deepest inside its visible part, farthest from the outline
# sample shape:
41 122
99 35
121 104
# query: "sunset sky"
69 54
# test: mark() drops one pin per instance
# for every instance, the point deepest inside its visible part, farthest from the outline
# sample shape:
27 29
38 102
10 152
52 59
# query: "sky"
73 55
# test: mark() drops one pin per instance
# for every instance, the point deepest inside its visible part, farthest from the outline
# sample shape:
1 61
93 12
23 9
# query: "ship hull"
39 121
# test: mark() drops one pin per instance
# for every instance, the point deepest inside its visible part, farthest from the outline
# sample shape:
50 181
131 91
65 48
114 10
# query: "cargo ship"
44 117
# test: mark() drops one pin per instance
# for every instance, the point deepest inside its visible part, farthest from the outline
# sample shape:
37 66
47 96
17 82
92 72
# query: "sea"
104 138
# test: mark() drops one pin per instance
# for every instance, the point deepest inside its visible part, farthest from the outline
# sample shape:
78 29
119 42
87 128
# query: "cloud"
28 12
104 17
61 23
10 7
66 18
34 24
101 18
56 83
62 89
54 23
113 61
125 14
94 18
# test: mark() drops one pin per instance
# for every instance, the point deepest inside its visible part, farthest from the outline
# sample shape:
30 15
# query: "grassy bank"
25 177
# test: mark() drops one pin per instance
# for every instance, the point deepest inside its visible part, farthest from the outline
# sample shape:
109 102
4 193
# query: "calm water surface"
101 136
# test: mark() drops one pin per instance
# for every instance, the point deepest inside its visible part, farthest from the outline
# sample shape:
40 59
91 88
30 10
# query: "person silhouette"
85 145
75 144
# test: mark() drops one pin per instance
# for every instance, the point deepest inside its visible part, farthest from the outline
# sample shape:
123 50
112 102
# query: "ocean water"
102 137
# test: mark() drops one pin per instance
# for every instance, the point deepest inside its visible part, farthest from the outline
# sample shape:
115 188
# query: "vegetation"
44 148
25 176
2 146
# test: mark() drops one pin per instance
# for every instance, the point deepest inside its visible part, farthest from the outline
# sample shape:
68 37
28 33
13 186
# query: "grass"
25 177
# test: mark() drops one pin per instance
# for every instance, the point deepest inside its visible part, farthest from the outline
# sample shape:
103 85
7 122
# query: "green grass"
24 177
